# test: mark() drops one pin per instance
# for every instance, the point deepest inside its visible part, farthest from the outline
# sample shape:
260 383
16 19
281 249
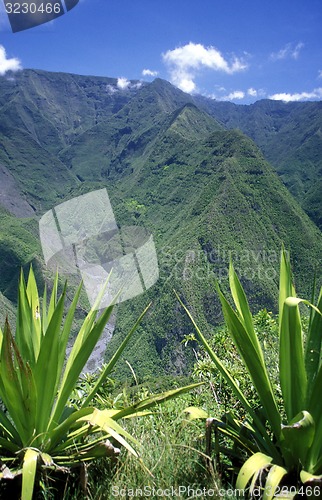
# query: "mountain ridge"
203 191
289 135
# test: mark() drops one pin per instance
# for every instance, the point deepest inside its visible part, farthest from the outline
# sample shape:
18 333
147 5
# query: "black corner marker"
26 14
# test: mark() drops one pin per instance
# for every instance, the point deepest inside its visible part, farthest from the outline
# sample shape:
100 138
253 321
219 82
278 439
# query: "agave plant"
39 426
282 439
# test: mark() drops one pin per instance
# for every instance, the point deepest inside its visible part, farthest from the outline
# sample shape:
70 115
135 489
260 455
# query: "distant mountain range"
210 180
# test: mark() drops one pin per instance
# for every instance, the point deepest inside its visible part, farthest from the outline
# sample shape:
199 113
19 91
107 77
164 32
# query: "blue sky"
237 50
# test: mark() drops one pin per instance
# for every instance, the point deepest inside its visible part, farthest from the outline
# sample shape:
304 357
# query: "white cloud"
289 51
300 96
258 93
252 92
111 89
149 72
6 64
235 95
185 62
297 49
123 83
184 83
320 73
220 88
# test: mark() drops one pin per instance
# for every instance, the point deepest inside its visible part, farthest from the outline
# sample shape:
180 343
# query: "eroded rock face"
96 359
10 197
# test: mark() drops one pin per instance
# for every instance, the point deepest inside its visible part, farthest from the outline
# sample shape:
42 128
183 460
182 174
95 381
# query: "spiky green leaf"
293 376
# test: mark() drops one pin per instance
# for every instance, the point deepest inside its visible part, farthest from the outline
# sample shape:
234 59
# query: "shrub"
40 426
282 439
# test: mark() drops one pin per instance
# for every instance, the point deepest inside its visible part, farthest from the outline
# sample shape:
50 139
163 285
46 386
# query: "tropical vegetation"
182 167
176 165
277 441
42 426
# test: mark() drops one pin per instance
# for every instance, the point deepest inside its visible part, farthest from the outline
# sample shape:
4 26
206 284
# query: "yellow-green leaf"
307 476
29 473
195 413
252 466
274 477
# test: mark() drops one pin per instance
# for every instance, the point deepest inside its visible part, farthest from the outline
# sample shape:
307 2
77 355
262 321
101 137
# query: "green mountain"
19 247
290 137
207 194
218 198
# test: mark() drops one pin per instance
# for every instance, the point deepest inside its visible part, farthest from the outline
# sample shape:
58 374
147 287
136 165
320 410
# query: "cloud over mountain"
236 94
123 83
8 64
149 72
299 96
185 62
